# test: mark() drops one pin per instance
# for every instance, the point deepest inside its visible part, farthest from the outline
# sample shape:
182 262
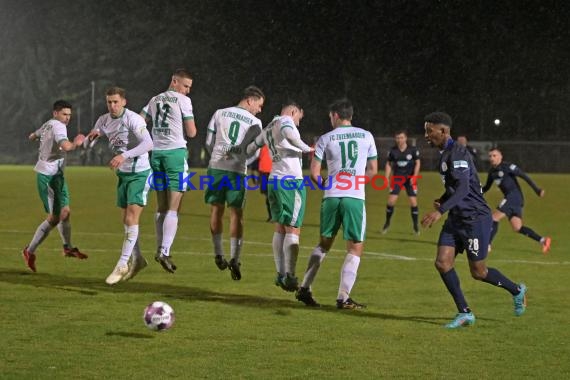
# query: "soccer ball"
158 316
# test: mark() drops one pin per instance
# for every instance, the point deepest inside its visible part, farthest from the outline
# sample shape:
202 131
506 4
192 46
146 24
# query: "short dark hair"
495 148
61 104
438 118
182 73
291 103
343 108
401 132
253 92
116 91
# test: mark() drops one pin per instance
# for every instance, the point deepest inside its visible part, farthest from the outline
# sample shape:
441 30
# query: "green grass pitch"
65 322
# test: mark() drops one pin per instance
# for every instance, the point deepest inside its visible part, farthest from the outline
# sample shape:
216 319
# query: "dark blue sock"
389 212
494 277
530 233
451 281
415 213
494 230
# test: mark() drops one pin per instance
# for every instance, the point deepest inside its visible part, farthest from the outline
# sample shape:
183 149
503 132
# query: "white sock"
278 255
131 236
348 275
169 228
218 244
41 233
235 248
291 251
64 228
158 222
315 260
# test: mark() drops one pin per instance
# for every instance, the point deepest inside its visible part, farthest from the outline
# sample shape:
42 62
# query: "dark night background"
396 60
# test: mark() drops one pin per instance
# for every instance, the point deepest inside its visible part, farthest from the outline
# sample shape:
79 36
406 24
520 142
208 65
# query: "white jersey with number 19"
347 150
168 111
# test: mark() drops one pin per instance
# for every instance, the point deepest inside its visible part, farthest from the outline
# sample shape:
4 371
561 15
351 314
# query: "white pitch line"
369 254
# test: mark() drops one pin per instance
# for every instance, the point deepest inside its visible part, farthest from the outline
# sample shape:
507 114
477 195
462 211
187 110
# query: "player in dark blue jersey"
468 225
505 175
402 169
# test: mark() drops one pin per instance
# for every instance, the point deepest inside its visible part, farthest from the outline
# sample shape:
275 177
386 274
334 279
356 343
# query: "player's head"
401 138
181 81
495 157
293 109
462 140
62 111
252 99
116 99
340 111
437 128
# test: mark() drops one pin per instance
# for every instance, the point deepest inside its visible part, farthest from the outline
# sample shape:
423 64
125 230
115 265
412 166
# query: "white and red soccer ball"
158 316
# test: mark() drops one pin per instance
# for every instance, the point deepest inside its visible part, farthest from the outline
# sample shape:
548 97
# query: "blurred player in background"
349 151
468 225
462 140
403 161
287 196
505 175
52 186
172 119
229 132
130 142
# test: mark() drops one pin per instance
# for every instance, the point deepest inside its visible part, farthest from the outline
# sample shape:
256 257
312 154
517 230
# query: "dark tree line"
397 60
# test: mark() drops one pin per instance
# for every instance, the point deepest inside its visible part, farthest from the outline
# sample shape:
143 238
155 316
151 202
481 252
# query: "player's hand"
541 193
431 218
117 161
94 134
436 204
79 139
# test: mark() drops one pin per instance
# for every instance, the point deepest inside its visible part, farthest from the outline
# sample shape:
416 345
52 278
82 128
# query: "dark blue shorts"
472 237
511 207
395 189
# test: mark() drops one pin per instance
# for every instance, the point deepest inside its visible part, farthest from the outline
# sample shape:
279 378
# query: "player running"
505 175
52 186
468 225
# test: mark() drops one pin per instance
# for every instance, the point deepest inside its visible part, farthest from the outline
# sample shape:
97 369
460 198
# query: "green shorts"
168 167
287 202
350 212
225 187
133 188
53 192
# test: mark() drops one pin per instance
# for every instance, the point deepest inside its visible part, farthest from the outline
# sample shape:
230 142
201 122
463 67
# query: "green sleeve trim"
60 141
285 126
318 158
188 118
373 158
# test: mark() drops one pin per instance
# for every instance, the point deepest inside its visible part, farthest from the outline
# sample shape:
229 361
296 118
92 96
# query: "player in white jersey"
351 155
287 196
52 187
230 130
172 117
130 142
